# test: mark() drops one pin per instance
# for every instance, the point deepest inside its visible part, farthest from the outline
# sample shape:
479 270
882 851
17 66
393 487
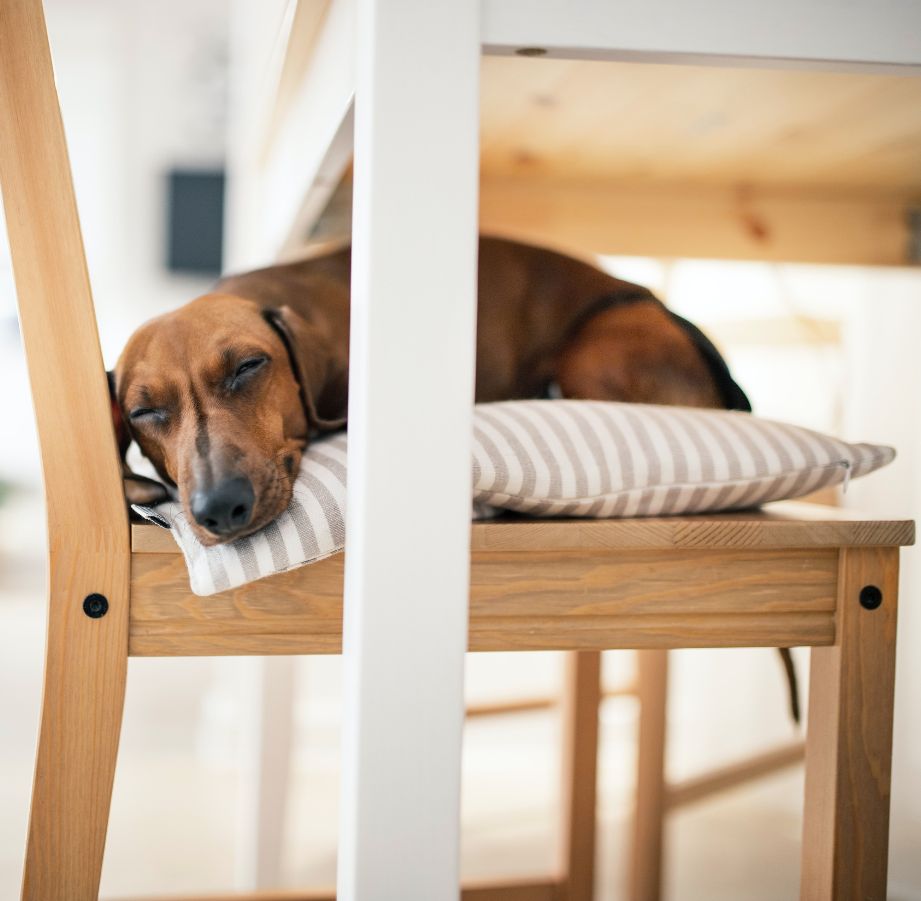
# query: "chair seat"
764 577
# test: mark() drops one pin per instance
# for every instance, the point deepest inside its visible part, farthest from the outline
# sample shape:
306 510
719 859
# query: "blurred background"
147 93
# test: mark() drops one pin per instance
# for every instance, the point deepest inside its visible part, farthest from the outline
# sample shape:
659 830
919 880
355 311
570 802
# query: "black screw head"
870 597
95 605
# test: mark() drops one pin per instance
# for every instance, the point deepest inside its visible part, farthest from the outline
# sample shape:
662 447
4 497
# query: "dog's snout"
226 508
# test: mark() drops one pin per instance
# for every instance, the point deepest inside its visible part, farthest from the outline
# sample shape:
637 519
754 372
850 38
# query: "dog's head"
222 396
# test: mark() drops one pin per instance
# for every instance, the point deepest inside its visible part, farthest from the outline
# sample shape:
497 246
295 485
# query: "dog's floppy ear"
122 435
138 489
321 369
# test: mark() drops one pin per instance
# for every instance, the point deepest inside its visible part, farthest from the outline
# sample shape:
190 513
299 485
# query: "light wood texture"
723 778
700 161
86 658
579 726
781 165
849 739
788 524
541 600
589 216
650 800
725 221
701 125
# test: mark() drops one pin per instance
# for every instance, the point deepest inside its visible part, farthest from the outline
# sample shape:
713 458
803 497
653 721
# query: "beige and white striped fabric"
557 458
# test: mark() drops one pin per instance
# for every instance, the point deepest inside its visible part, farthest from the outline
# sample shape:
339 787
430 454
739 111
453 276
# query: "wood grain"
648 838
606 121
849 740
86 658
709 221
788 524
776 165
579 727
565 600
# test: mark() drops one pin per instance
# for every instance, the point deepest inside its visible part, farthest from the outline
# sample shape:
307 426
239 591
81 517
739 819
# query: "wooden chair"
785 576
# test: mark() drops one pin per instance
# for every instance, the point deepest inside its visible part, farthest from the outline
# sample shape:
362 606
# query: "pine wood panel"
579 215
701 124
86 658
679 160
687 631
582 215
782 525
569 599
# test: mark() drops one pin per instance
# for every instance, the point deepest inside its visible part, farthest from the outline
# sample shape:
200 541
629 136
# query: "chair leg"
266 764
581 702
649 812
849 740
85 670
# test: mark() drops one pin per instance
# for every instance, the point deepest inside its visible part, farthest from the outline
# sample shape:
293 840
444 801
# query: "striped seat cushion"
557 458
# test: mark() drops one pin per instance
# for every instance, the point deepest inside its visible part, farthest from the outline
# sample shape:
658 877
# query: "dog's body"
538 312
223 394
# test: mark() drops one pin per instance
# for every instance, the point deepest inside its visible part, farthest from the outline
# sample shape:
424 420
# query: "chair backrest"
79 456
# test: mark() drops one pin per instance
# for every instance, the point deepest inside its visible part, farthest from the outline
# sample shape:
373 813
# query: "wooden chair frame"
763 579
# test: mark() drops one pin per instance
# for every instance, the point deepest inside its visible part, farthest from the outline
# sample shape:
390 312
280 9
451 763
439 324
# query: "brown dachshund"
223 394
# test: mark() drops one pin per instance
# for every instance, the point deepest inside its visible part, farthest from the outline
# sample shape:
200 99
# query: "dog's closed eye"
245 370
147 414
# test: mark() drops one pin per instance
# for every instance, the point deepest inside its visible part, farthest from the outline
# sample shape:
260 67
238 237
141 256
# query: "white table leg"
412 367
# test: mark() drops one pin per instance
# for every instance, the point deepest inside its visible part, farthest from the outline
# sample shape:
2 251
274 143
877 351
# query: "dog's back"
541 316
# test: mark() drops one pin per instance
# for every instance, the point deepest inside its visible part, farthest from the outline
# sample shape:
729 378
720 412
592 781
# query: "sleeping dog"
224 394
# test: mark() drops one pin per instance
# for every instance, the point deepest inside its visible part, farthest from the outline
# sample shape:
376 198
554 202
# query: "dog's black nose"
226 508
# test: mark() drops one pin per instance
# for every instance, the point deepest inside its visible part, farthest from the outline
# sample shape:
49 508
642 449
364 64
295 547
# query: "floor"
174 819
